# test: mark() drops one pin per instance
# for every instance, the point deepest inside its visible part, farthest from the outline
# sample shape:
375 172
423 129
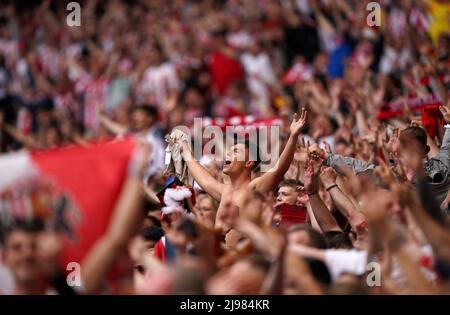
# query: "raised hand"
316 154
311 174
302 196
393 144
397 168
186 153
328 177
385 173
302 150
298 123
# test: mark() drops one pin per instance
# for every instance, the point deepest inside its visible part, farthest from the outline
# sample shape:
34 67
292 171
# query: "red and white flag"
73 189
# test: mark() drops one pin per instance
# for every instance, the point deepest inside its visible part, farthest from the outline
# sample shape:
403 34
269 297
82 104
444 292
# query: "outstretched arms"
271 179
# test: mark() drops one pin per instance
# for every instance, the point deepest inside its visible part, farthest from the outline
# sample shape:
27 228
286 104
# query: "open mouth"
227 162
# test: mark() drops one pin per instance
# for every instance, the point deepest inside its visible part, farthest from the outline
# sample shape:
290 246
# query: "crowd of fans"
358 201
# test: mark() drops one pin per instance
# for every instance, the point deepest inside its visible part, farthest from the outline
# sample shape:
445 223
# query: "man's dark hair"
150 110
336 239
154 220
414 132
290 183
316 239
27 226
252 147
152 233
319 271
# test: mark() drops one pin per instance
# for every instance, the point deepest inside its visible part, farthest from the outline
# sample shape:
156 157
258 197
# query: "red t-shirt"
224 70
291 214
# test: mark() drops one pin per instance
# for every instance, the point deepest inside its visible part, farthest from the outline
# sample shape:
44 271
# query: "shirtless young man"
238 167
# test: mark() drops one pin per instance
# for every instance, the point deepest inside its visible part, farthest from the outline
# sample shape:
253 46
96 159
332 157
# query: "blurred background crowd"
377 102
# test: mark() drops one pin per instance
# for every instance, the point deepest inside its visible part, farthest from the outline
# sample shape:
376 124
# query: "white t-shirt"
157 83
341 261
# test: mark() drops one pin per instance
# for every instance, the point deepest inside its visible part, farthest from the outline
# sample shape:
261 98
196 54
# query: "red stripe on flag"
93 178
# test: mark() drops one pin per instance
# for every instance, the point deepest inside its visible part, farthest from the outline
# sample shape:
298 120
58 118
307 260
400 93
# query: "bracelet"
332 186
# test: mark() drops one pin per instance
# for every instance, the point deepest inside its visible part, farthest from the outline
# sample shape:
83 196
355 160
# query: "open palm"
298 123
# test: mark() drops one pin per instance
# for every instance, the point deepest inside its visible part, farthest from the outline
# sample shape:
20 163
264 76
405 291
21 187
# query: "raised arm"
272 178
27 141
321 213
112 126
205 180
340 200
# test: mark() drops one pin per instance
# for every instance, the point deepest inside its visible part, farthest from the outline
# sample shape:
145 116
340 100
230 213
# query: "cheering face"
20 256
288 195
236 160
